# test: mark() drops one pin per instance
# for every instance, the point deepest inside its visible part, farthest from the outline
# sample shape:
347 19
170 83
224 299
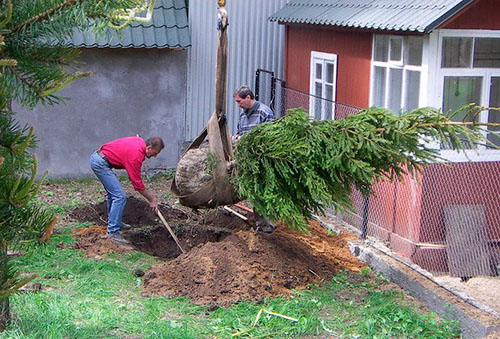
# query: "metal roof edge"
448 15
353 27
130 46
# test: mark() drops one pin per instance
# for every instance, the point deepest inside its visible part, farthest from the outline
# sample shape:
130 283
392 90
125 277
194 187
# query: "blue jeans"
116 198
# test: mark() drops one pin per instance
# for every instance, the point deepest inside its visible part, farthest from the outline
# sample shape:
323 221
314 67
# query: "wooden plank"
466 240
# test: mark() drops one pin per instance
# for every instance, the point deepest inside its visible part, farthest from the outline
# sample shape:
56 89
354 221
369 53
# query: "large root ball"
192 172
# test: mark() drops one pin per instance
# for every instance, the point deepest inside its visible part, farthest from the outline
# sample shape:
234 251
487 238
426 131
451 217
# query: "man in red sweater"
129 154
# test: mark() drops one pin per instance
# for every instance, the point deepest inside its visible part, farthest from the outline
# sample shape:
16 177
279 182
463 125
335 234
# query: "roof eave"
447 16
351 27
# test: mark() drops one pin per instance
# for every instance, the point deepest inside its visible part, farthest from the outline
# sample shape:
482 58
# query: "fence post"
257 82
273 92
283 97
364 226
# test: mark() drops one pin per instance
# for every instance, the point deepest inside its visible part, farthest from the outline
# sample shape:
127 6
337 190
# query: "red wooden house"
402 55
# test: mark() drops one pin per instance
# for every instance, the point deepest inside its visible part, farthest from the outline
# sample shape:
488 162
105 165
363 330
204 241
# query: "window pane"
395 88
380 74
318 91
329 73
396 49
456 52
329 92
412 90
494 116
414 49
381 47
319 71
487 52
328 104
460 91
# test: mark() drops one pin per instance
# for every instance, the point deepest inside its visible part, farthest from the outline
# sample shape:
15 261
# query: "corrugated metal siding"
168 29
395 15
254 42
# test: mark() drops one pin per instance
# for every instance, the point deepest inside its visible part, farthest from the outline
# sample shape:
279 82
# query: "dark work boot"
118 238
125 227
263 224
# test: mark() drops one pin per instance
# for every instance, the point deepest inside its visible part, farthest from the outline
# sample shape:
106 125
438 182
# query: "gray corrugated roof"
168 28
398 15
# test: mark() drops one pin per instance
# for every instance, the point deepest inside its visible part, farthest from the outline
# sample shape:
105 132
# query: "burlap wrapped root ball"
192 171
195 184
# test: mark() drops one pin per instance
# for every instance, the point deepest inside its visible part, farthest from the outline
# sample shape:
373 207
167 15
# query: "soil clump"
225 261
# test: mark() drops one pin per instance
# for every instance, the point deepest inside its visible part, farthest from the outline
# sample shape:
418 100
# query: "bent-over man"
129 154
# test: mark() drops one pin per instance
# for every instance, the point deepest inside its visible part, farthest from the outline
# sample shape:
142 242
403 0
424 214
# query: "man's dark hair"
155 143
243 91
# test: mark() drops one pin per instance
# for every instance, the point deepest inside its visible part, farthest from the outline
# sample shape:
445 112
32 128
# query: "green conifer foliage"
22 221
295 167
35 63
33 60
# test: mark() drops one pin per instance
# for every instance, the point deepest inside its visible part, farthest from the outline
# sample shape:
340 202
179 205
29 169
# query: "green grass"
340 308
84 298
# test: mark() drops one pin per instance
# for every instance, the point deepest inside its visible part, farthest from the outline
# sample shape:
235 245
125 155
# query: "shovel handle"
243 207
170 231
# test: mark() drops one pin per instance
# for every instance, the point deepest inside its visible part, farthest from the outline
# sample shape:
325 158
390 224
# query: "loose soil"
226 262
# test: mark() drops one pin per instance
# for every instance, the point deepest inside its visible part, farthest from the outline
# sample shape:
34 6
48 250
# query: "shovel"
170 231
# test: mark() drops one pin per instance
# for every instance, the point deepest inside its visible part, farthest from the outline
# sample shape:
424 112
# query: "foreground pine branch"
295 167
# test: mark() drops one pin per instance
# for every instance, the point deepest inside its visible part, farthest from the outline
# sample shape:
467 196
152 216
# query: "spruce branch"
59 84
131 16
43 16
7 15
8 62
24 80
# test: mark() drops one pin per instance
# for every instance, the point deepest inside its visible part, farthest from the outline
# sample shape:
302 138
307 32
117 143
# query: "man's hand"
230 166
152 201
154 205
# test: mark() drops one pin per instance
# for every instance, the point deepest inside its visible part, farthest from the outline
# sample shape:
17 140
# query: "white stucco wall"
132 91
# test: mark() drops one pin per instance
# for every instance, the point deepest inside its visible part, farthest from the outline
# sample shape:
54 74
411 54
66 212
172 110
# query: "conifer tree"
34 65
294 167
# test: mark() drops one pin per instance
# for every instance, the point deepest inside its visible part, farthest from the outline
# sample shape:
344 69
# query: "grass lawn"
87 298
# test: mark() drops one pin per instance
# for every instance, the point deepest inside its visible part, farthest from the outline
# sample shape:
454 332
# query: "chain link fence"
274 93
446 220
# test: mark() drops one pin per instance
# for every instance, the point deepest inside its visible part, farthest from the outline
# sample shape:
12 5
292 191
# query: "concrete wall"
132 91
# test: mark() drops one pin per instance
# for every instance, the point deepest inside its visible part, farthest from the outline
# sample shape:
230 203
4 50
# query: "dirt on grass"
226 262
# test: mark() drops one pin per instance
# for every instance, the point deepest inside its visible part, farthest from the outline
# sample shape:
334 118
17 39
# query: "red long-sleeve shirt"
129 154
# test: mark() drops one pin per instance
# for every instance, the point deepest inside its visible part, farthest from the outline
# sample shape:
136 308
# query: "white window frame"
399 64
326 57
481 153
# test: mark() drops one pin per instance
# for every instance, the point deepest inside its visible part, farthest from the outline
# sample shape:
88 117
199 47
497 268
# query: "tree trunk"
4 274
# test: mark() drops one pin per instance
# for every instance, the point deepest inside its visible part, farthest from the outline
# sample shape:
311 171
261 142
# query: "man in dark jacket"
253 113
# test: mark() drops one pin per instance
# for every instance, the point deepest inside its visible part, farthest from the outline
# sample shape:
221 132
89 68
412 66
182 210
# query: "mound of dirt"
95 244
225 261
248 266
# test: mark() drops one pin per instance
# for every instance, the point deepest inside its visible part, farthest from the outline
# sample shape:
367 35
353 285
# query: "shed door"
323 85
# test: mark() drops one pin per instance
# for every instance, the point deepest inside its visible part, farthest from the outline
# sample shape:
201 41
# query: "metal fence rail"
274 93
446 220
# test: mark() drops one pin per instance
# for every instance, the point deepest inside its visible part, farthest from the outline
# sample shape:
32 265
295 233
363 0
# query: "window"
470 73
459 52
397 63
323 85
